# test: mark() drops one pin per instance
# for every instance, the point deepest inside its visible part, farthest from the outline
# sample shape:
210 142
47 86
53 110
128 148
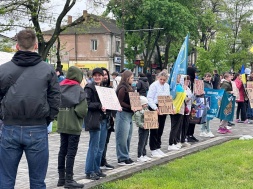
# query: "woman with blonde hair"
158 88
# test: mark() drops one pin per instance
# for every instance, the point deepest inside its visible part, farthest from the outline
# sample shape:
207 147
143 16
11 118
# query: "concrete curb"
127 171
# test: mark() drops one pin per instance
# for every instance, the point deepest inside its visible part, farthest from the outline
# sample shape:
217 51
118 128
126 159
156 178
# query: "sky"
54 9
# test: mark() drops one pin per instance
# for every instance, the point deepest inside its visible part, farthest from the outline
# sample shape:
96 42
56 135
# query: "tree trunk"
58 53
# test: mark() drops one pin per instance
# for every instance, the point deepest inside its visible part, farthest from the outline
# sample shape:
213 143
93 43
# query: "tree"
16 13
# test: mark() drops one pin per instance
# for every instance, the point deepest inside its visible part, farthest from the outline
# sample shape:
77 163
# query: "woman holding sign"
159 88
123 122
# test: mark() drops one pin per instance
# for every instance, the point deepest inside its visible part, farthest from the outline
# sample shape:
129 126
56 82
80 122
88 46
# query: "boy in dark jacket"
73 109
142 85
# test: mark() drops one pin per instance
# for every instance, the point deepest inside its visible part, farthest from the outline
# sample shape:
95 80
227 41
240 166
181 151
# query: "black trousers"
143 139
190 131
103 160
241 108
156 134
176 122
183 128
67 153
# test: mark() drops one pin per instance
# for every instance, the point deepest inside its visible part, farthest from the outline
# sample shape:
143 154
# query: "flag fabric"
180 66
243 74
213 100
227 107
179 99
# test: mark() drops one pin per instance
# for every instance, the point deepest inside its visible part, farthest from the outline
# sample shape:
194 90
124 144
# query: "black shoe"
190 139
130 160
92 176
71 183
196 140
230 124
107 166
126 162
101 174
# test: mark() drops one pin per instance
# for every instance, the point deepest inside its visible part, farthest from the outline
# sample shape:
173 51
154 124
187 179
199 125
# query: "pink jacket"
240 86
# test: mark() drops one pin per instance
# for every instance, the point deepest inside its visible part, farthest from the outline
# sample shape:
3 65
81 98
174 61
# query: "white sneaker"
210 134
173 147
228 127
161 152
147 158
186 144
203 134
155 154
141 159
178 145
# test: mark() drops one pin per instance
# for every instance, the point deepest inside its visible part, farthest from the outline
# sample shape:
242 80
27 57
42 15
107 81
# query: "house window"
94 45
117 46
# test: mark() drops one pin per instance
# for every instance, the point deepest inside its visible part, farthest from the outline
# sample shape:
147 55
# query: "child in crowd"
205 129
143 133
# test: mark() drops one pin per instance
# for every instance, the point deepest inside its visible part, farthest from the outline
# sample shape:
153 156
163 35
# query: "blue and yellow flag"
179 98
180 66
243 75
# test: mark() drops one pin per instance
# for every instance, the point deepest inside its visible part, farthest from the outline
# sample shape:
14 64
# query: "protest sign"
108 98
150 120
165 104
235 91
250 96
135 101
198 87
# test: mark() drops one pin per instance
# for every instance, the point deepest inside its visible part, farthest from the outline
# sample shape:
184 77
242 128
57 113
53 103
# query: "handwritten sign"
108 98
198 87
250 84
135 101
165 104
150 120
250 96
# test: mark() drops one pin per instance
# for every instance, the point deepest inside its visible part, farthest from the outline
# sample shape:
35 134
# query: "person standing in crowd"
227 86
89 78
182 131
191 71
93 125
177 118
142 85
216 80
30 85
143 133
116 80
59 74
73 109
158 88
205 128
240 102
250 77
123 121
106 125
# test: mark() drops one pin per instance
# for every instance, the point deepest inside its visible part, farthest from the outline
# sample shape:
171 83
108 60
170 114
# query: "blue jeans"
96 148
123 134
33 140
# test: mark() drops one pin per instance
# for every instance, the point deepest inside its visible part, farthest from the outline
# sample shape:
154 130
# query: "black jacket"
94 115
142 86
208 85
34 97
216 81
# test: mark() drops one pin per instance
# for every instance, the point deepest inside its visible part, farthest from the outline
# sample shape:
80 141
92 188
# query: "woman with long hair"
123 122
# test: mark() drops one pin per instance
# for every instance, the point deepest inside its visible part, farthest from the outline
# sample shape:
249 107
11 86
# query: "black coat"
34 97
216 81
143 86
94 115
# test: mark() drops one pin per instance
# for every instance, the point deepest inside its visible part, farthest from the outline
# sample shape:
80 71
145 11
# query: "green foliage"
213 168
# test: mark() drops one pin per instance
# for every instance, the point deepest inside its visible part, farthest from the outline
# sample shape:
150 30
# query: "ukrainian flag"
180 97
243 75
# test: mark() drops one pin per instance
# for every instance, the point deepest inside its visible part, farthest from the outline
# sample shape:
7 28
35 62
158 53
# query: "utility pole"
122 52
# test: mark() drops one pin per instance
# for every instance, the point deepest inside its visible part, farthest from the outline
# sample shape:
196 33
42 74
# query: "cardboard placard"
150 120
165 104
250 84
198 87
250 96
108 98
235 91
135 101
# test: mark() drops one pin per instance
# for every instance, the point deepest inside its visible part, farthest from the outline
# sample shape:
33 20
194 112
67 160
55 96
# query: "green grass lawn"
228 166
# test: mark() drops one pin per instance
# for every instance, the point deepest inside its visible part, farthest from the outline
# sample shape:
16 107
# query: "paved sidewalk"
22 181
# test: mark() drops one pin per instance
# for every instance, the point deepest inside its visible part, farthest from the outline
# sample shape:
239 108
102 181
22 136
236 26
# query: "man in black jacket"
216 80
30 97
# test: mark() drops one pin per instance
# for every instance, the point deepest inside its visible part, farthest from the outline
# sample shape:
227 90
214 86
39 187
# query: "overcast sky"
55 8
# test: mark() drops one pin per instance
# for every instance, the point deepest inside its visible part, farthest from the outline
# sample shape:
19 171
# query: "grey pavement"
22 181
